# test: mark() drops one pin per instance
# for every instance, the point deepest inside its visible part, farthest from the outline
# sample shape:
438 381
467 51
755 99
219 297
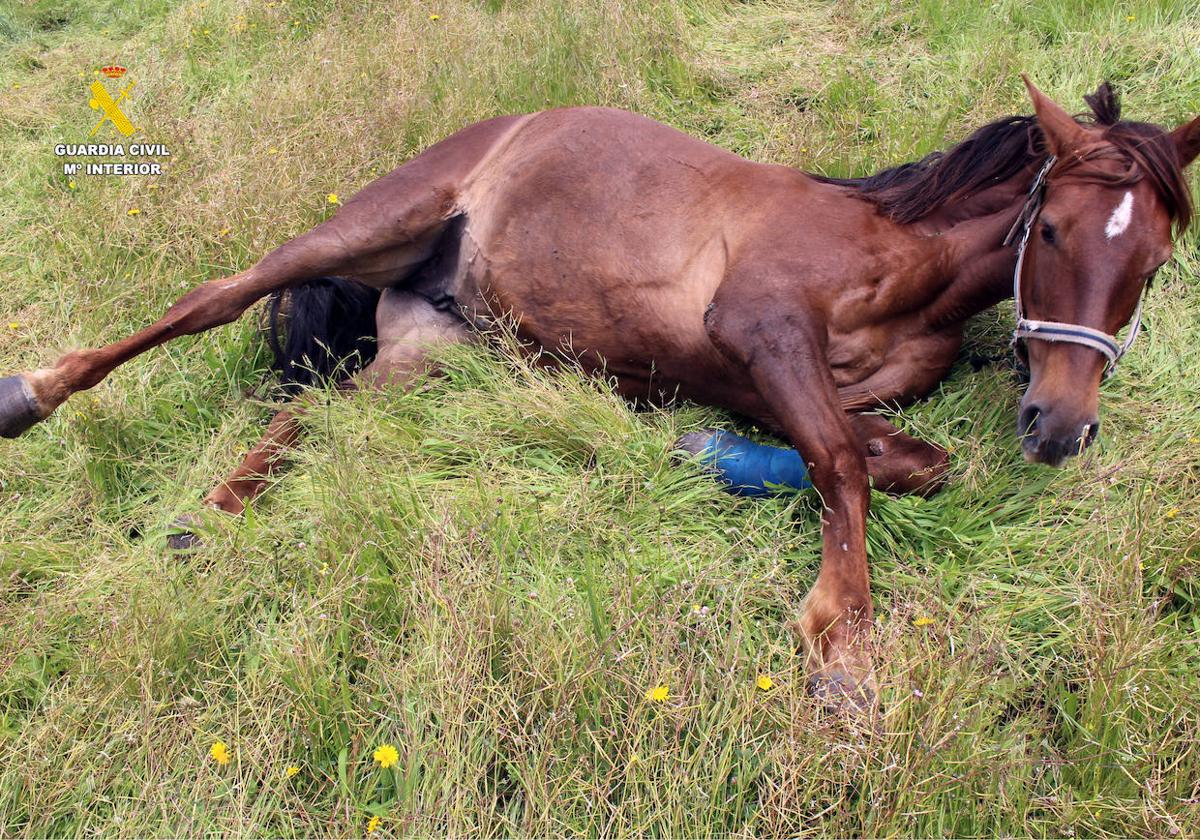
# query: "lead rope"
1097 340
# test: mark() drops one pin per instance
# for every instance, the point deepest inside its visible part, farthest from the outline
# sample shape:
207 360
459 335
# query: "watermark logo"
109 107
113 111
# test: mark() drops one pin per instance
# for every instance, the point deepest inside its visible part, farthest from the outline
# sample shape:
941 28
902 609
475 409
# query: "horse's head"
1092 235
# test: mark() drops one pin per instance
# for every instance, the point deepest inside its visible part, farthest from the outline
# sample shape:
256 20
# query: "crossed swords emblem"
101 101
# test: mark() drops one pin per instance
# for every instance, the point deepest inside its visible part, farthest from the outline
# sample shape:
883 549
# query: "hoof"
694 443
841 695
18 409
183 536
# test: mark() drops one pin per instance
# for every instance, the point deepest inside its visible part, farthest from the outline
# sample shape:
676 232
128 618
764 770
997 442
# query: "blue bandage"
753 469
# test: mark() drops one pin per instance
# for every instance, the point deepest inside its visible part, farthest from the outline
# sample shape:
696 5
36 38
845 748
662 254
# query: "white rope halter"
1103 343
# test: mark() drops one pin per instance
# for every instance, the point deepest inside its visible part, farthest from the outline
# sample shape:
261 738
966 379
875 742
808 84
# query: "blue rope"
753 469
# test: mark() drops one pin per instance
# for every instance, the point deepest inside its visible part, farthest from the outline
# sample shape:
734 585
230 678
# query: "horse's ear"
1187 141
1063 134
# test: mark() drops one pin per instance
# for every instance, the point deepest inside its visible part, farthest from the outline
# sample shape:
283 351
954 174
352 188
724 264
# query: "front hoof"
840 694
183 536
695 443
18 408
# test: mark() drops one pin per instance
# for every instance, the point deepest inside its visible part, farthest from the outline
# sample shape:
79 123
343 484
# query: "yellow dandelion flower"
332 198
291 771
272 151
70 185
224 231
373 824
923 621
1172 513
219 752
13 325
658 694
16 86
1129 17
764 682
132 211
386 755
435 17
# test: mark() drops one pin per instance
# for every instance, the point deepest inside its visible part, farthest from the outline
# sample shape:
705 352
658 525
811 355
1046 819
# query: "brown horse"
681 269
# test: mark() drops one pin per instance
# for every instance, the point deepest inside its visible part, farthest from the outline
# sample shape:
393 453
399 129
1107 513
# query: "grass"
490 572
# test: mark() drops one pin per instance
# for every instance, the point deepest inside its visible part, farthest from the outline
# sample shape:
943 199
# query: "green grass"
490 572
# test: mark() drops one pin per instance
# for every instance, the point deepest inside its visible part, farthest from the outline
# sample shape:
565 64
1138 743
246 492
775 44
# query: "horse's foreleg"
409 327
781 350
898 462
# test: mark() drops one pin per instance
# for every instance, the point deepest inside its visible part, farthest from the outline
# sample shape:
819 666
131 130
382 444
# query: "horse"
682 270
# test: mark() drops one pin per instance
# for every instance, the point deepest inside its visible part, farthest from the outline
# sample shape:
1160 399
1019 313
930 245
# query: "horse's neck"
994 199
974 264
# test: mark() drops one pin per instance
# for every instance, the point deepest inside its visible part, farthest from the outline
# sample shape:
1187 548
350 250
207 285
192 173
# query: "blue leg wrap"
753 469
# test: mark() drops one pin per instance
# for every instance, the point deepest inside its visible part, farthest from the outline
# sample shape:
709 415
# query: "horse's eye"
1048 233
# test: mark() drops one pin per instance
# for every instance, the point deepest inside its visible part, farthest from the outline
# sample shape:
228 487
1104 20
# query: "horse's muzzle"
1050 437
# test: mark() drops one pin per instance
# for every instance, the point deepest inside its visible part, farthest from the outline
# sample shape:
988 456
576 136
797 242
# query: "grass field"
491 572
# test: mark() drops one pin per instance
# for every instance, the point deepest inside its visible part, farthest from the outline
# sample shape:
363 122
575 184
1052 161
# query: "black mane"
1001 149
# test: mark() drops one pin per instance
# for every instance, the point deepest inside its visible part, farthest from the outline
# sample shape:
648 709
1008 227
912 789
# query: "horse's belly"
646 334
627 296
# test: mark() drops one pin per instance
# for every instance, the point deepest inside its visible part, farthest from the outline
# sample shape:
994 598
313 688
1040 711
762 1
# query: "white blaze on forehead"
1120 218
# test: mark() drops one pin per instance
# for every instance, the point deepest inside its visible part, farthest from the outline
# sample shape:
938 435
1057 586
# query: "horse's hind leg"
390 227
389 234
409 327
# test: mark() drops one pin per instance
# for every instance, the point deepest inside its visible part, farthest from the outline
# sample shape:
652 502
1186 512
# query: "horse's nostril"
1027 424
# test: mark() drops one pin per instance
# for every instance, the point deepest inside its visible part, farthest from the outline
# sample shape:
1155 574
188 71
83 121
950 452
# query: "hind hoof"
18 408
183 536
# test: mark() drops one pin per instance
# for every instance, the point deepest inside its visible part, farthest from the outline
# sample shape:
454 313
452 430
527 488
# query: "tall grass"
491 571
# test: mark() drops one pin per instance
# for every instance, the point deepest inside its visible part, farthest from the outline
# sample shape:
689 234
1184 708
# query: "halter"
1103 343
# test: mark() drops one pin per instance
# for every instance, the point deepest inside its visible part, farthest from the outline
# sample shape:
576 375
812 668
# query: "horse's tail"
321 328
